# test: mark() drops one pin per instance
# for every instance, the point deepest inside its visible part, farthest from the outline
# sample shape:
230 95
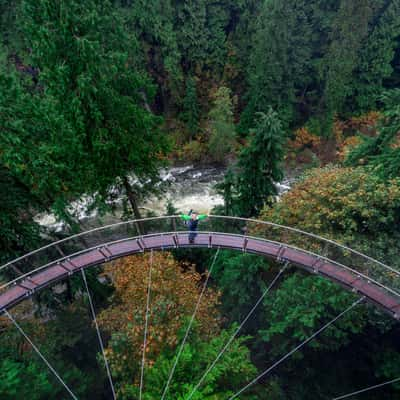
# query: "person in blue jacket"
192 221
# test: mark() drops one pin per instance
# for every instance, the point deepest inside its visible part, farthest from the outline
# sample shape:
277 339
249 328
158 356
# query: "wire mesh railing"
386 276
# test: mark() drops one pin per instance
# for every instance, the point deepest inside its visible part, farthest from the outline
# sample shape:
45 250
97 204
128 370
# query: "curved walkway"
27 284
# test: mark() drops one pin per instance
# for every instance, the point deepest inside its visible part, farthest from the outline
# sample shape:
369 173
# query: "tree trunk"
132 198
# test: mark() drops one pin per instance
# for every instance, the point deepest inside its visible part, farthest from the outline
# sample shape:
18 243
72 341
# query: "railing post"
138 228
173 224
175 237
162 241
245 244
101 251
280 254
65 268
140 245
16 270
316 265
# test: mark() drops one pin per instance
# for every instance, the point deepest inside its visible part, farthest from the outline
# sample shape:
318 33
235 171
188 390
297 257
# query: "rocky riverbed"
186 187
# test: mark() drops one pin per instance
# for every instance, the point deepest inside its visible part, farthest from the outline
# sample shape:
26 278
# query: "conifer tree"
87 122
341 58
18 231
258 169
191 111
222 127
375 67
382 153
280 60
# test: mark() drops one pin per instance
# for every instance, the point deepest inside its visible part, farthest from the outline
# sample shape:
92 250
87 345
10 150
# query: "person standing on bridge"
192 220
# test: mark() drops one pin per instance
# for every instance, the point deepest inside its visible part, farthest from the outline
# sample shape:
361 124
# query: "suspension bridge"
373 280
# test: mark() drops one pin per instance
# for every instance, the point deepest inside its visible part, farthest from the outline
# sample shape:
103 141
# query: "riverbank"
186 187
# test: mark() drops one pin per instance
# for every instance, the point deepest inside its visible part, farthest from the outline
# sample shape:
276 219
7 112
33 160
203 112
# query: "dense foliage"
252 182
173 288
18 231
80 121
312 61
95 94
348 205
381 152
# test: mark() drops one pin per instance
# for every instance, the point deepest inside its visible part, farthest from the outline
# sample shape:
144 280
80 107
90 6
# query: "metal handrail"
229 218
357 273
101 228
344 247
107 229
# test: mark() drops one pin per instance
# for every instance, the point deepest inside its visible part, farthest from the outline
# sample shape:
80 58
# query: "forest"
99 97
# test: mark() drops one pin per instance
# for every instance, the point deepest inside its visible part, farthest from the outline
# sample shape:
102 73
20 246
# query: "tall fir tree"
311 61
279 64
152 22
341 58
87 121
191 112
258 169
376 58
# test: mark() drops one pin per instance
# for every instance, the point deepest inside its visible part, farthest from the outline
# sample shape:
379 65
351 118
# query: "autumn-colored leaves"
175 288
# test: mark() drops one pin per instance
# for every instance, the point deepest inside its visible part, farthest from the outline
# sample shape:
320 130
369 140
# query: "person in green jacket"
192 220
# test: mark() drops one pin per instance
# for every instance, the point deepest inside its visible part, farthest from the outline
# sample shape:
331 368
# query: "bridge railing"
367 267
384 275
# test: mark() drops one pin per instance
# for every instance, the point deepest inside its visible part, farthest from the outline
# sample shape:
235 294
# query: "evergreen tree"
244 13
280 63
87 121
311 61
376 57
190 24
152 22
18 231
17 380
218 20
382 153
191 112
233 371
9 35
202 28
342 56
221 123
258 168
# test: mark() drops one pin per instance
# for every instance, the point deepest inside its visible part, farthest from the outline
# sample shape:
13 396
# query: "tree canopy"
94 96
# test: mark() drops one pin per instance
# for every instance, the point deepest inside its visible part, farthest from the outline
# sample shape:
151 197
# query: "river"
187 187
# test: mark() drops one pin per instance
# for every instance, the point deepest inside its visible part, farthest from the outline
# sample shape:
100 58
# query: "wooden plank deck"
58 271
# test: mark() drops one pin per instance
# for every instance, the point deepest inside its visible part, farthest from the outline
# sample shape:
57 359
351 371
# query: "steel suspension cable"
287 355
189 326
228 343
40 354
98 334
146 326
345 396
